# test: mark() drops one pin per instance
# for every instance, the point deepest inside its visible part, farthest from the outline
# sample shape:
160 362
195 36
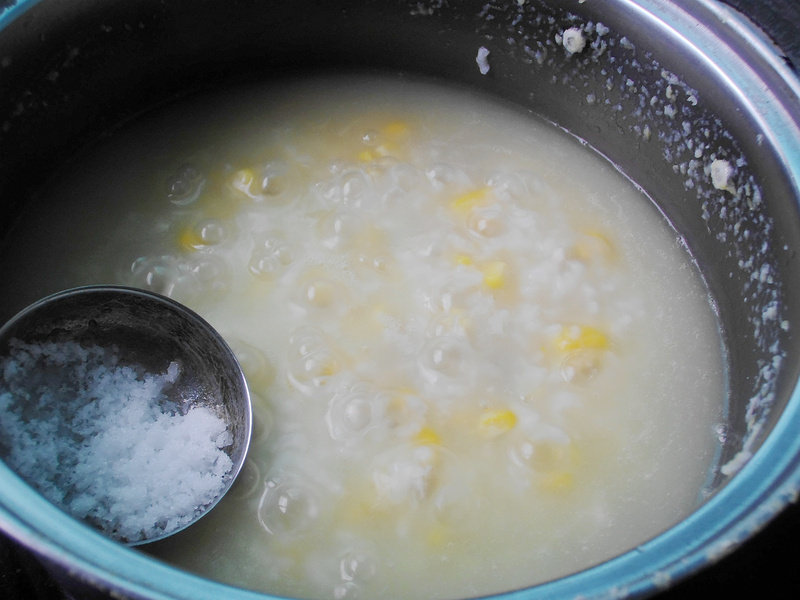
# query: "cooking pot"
687 98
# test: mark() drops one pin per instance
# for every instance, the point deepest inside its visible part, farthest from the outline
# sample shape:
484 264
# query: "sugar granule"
101 440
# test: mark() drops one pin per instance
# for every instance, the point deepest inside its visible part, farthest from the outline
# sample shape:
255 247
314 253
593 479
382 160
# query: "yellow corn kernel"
463 259
581 337
321 293
395 129
398 408
593 245
494 274
427 437
329 368
437 536
397 404
359 506
550 457
189 239
406 390
468 201
497 421
367 156
243 179
560 481
371 154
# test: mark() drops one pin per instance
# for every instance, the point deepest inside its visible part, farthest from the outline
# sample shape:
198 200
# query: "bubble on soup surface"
349 188
259 184
268 262
379 264
406 176
508 186
263 419
582 365
345 591
242 181
353 411
312 371
257 368
593 247
546 449
213 232
338 227
523 187
270 247
185 185
271 180
248 481
445 357
443 175
287 508
311 360
166 275
207 232
357 566
211 277
355 186
306 340
155 273
320 293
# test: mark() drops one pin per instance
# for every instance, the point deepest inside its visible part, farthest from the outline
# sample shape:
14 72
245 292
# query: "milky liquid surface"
479 357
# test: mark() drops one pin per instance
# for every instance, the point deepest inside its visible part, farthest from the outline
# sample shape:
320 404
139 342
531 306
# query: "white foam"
482 59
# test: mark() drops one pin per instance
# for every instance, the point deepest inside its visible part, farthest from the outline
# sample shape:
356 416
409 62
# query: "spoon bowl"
123 407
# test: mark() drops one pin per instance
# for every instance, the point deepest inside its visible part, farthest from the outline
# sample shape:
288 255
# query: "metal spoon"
151 336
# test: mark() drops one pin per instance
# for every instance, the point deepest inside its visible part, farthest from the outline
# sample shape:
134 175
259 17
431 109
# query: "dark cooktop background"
767 566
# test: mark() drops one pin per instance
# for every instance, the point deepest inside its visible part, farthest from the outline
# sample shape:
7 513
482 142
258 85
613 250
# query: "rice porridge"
480 358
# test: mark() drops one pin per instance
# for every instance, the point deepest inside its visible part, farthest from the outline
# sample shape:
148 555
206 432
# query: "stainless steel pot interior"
661 89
